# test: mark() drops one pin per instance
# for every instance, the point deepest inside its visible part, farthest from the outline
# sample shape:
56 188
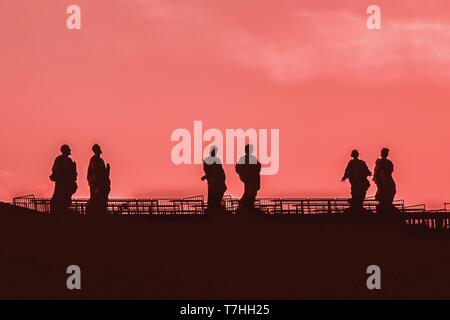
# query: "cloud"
339 46
299 45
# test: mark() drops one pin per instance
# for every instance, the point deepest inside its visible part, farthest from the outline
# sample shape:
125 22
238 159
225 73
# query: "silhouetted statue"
357 173
384 181
248 168
215 176
99 182
64 174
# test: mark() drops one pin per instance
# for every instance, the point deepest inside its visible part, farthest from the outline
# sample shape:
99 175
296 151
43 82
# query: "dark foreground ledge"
219 257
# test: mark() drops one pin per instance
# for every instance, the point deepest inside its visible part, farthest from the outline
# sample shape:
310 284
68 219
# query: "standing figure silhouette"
385 182
248 168
64 174
215 176
357 172
99 182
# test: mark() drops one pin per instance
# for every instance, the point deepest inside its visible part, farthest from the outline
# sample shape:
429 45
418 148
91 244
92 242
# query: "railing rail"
414 214
197 205
417 208
191 205
287 206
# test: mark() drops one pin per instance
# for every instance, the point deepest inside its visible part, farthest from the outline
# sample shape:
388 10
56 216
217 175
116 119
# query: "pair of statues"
357 173
64 174
248 168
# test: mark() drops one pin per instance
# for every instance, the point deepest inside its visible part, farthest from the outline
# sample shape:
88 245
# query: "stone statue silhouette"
215 176
64 175
357 172
99 183
386 188
248 168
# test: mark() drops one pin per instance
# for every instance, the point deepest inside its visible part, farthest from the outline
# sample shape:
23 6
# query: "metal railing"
30 202
413 215
163 206
417 208
231 204
197 205
433 219
300 206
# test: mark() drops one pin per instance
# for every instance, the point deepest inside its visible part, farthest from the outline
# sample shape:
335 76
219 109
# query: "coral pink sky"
138 69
